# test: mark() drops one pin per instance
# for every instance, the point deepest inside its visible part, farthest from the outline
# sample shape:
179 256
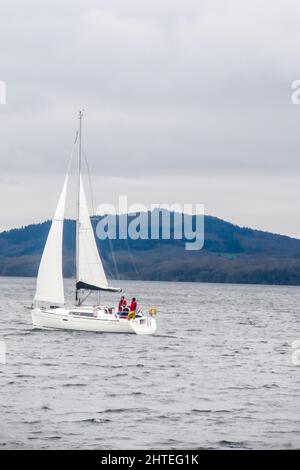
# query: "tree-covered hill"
230 254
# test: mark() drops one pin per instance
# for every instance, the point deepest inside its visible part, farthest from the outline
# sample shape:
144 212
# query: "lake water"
218 374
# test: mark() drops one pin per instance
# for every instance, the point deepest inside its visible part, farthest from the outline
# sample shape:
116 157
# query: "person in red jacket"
122 304
133 305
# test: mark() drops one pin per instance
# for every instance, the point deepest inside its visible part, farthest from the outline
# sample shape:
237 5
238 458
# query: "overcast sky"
185 101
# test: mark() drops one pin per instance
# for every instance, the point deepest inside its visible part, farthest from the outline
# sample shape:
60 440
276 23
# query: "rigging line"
90 182
73 250
73 256
132 260
105 262
72 152
93 214
106 267
113 258
84 299
71 234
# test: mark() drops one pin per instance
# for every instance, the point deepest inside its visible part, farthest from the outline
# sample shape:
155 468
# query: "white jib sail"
90 269
50 287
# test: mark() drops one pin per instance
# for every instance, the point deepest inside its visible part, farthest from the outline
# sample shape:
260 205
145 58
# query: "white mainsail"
50 287
90 271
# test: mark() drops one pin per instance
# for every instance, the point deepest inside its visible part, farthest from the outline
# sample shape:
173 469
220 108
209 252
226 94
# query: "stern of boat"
144 325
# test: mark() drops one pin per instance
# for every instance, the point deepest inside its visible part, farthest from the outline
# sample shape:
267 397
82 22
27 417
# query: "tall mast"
78 199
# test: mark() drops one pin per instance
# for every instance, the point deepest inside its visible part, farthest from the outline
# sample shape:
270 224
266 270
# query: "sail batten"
50 287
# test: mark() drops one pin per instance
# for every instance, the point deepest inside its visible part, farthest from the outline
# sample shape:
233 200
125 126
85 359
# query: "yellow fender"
131 316
152 311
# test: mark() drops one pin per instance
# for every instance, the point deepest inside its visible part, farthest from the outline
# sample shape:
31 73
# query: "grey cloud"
169 87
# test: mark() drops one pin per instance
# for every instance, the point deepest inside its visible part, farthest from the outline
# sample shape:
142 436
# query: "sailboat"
49 310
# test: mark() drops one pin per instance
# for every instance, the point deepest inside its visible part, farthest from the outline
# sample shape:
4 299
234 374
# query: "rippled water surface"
218 374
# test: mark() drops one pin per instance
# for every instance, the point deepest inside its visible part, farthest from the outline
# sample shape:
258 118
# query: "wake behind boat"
90 277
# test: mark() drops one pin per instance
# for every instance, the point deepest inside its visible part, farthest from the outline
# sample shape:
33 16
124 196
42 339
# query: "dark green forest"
230 254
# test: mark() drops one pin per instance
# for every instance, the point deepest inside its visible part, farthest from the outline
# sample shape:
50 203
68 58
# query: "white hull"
90 319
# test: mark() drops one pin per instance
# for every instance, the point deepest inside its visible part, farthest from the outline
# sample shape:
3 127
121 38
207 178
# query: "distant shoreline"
170 281
231 255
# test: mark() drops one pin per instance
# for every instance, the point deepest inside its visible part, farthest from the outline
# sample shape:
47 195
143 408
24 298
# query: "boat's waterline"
62 318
